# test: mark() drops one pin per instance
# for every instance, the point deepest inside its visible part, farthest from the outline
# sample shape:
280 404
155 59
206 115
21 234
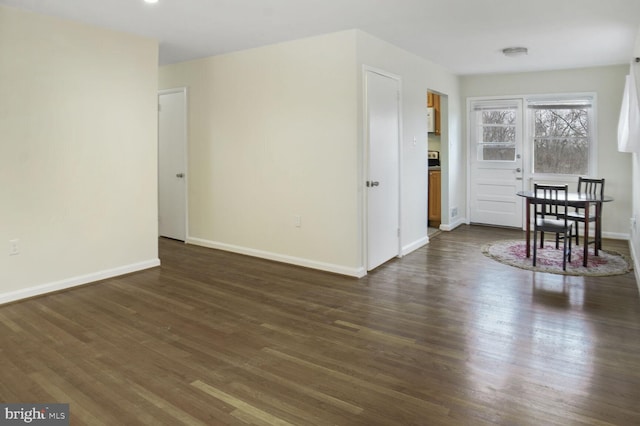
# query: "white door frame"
185 91
523 169
365 164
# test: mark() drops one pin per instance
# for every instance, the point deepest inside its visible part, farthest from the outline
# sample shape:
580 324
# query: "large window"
561 135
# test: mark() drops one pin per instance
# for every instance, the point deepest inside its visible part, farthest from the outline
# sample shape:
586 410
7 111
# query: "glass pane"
561 141
570 122
561 156
490 153
501 116
499 134
496 134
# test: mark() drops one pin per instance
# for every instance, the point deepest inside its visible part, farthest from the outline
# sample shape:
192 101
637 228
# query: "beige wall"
272 135
418 76
276 132
608 84
77 153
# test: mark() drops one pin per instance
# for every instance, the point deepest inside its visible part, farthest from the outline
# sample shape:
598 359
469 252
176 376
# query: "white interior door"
383 177
495 154
172 142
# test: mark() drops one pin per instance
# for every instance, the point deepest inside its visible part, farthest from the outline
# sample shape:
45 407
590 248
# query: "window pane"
561 156
496 132
499 134
561 140
498 129
490 153
499 116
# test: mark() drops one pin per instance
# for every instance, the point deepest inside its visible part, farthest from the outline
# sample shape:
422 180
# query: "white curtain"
629 124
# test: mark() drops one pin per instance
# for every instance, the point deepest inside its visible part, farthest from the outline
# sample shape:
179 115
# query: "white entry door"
383 177
495 154
172 142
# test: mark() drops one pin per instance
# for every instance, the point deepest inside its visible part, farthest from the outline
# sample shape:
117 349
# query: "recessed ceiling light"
151 1
515 51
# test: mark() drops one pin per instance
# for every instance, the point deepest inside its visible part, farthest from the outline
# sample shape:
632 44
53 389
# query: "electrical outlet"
297 221
14 247
454 212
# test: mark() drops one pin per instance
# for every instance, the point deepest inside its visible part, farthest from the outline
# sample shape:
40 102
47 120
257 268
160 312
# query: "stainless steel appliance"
434 158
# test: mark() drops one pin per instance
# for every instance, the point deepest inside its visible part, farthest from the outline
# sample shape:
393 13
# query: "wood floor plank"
442 336
240 405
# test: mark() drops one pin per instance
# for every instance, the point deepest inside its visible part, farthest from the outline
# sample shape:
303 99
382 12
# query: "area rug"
513 252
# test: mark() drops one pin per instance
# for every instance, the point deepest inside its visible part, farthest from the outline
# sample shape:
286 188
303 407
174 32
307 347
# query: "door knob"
518 170
372 183
179 175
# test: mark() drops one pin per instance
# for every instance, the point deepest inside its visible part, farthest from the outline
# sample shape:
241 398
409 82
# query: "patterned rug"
513 252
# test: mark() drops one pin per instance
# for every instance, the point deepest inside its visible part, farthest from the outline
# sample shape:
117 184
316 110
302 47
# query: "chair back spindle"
551 204
595 188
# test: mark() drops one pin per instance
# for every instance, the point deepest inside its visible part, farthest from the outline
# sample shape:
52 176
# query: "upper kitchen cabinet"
433 102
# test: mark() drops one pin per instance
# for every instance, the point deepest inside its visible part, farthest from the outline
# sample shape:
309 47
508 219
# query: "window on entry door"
561 135
495 130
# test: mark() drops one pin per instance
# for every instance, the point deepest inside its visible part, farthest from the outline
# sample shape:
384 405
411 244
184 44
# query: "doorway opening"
435 133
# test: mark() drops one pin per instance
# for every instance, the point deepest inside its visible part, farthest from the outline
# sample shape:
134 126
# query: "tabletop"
573 197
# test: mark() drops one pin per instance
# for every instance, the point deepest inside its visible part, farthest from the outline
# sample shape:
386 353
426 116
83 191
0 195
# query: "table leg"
586 235
528 227
597 244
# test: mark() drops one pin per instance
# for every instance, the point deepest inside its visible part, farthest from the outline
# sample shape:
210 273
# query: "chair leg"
541 239
577 238
535 245
564 255
570 229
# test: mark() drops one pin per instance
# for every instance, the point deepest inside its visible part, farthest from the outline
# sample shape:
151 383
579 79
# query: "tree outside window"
495 131
561 137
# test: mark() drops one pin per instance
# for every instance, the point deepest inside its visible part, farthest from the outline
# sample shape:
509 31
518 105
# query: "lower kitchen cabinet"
434 198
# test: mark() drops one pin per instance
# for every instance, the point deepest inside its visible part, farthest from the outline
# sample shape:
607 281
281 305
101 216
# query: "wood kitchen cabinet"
434 198
433 101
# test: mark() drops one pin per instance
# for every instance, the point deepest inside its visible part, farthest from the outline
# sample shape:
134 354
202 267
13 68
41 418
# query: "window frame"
529 135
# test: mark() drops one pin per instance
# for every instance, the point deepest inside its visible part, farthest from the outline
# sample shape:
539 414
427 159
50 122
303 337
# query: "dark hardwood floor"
443 336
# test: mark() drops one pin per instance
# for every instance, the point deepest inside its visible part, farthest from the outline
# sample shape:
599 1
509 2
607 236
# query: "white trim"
68 283
636 263
184 90
414 246
365 160
307 263
454 225
615 235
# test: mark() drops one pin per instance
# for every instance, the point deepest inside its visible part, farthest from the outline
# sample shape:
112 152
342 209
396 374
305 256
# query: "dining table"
575 199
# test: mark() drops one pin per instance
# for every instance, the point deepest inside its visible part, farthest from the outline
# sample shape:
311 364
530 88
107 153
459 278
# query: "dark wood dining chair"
593 187
550 215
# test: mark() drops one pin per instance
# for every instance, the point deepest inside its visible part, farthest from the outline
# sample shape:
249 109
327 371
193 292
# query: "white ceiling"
464 36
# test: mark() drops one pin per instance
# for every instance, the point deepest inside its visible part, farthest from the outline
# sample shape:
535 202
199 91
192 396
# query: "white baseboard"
13 296
636 263
307 263
414 246
614 235
453 225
